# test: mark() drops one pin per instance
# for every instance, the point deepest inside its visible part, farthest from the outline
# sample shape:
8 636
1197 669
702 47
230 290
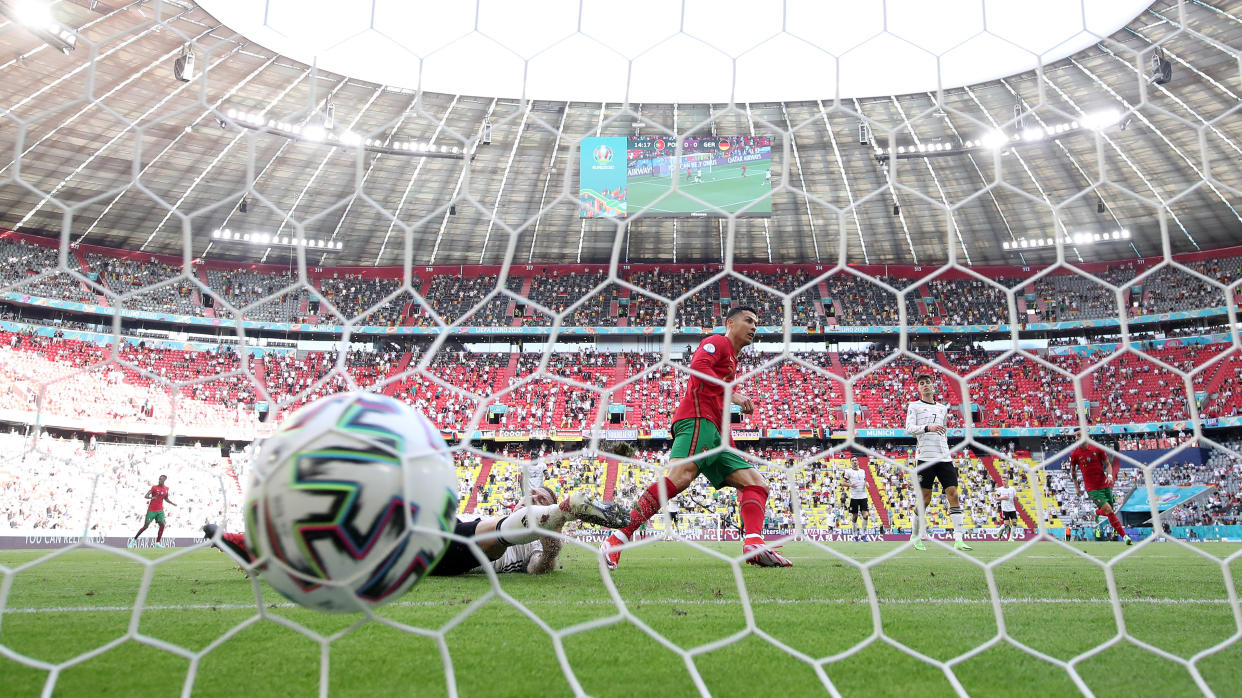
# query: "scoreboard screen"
647 175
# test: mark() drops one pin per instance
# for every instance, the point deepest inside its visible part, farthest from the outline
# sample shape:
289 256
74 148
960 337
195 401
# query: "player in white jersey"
535 557
855 481
509 543
514 546
926 421
1008 496
538 474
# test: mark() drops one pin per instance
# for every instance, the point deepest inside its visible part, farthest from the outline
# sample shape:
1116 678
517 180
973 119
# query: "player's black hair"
923 377
740 309
547 489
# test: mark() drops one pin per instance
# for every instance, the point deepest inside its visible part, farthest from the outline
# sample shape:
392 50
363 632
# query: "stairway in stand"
876 498
402 365
990 465
259 370
610 480
479 482
85 268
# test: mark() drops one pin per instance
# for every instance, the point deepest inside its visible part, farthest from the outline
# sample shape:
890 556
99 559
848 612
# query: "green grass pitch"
935 602
729 192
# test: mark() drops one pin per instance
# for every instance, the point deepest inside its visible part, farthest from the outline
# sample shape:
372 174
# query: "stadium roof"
705 51
122 154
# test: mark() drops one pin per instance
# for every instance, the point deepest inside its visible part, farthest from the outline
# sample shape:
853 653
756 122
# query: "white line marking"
642 602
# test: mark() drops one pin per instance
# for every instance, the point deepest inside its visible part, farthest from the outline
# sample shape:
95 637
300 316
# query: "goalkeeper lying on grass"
515 547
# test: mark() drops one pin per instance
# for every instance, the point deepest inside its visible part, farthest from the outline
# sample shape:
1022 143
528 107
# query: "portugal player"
1098 476
697 427
158 494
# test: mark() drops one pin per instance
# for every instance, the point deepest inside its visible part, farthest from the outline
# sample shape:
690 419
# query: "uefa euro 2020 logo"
603 154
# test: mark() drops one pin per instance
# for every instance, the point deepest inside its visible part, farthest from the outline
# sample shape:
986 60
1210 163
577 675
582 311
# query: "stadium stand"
220 386
135 281
58 484
451 297
838 299
252 293
371 301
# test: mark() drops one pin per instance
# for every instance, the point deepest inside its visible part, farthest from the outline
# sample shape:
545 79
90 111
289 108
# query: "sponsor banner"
63 539
1109 348
1166 498
249 431
735 159
1012 432
818 535
882 433
1230 532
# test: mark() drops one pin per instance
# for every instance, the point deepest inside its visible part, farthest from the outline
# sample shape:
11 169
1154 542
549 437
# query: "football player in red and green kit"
1098 476
698 425
158 494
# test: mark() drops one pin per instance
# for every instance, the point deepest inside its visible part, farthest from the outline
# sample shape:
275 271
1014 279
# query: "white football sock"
515 529
958 519
914 527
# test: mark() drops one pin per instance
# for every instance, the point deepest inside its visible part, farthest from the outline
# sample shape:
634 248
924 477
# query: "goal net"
200 234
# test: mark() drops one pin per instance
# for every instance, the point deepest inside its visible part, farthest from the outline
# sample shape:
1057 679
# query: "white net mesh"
88 349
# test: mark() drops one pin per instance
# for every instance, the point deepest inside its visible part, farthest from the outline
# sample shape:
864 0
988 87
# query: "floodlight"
314 132
1101 119
36 17
993 139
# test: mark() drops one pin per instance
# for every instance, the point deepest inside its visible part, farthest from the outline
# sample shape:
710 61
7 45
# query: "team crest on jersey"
709 347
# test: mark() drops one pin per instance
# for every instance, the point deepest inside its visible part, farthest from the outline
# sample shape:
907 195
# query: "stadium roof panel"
144 143
655 51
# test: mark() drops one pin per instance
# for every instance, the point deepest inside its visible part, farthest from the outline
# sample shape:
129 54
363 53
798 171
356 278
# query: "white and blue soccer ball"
349 502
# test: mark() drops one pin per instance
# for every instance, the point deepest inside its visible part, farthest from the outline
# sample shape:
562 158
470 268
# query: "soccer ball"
348 502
